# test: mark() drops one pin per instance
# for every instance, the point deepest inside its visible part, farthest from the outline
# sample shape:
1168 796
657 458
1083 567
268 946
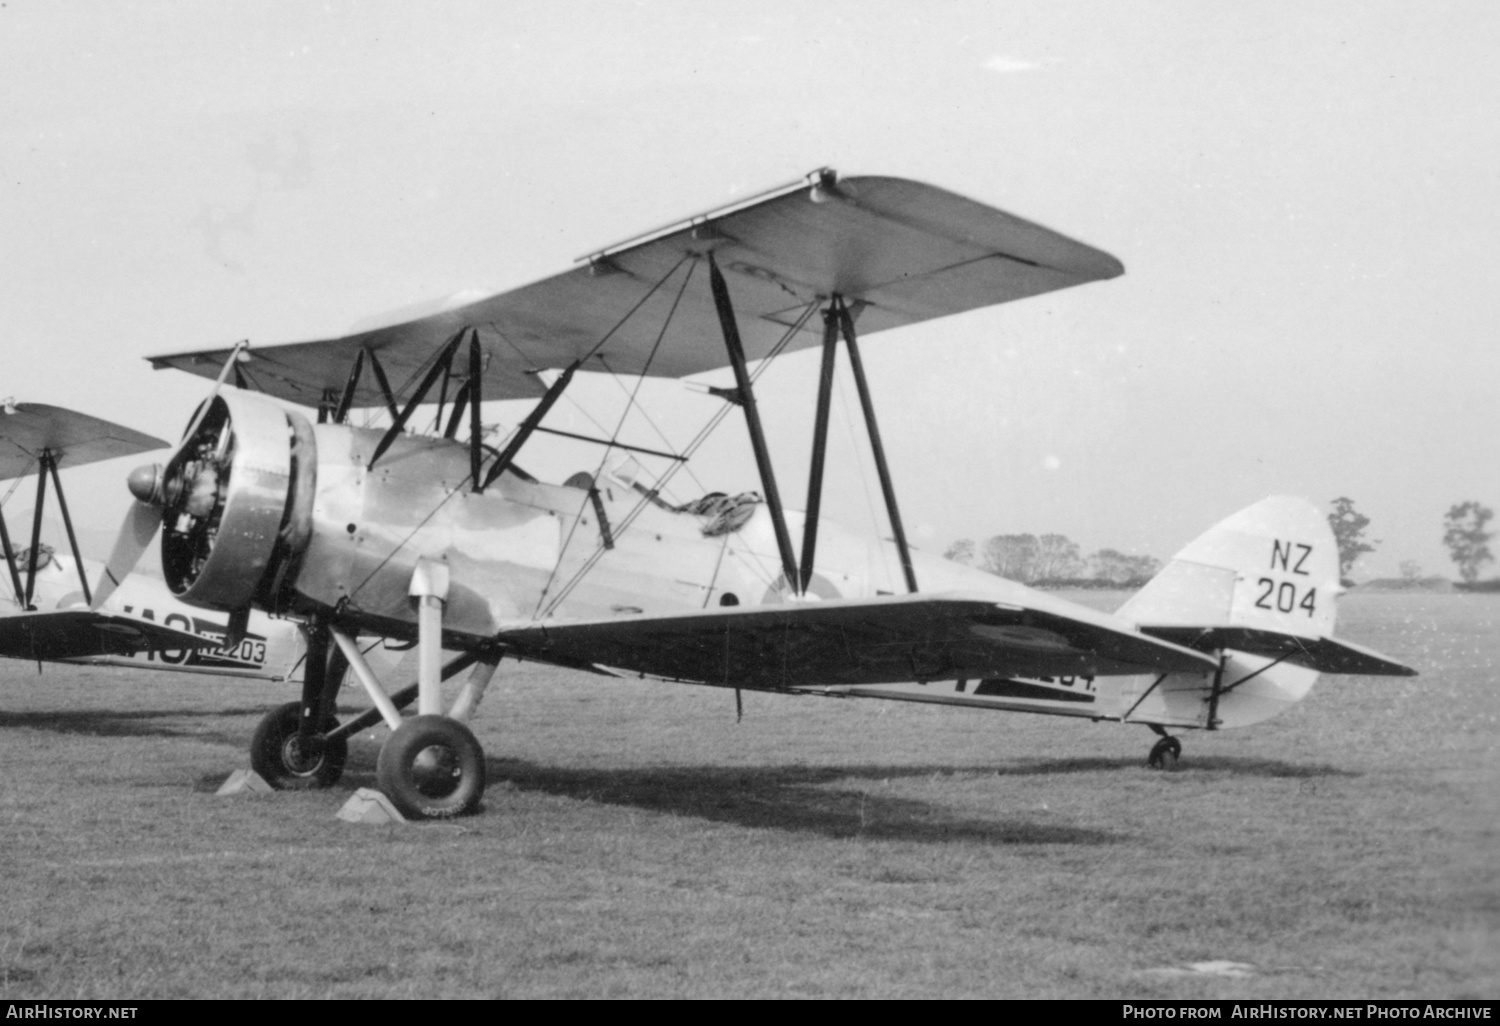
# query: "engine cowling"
237 503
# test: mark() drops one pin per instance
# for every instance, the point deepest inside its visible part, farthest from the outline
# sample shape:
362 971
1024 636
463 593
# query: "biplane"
441 539
46 614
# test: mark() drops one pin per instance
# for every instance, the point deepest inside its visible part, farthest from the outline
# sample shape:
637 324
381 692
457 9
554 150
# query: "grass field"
636 841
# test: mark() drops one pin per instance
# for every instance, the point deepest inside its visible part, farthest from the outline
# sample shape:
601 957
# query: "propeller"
181 484
141 523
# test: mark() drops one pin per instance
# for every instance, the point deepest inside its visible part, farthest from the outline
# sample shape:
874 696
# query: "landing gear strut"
431 767
279 756
291 748
1165 753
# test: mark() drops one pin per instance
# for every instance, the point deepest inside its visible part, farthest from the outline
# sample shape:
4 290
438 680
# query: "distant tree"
1466 538
1410 570
961 551
1146 567
1119 568
1056 557
1013 556
1349 532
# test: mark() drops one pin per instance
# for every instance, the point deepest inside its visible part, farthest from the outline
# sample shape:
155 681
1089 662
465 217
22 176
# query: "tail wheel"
432 767
278 756
1164 754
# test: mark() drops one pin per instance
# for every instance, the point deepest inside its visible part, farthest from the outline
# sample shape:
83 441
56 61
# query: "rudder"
1266 578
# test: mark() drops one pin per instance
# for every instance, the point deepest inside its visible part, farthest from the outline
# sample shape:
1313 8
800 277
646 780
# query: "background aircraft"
449 543
44 604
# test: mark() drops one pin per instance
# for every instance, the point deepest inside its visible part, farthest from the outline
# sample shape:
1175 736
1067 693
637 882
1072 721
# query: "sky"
1306 199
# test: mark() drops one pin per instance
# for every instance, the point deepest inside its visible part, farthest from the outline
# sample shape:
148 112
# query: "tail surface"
1273 565
1259 588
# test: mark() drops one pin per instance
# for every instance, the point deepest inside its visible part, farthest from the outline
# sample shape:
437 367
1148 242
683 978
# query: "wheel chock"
368 806
245 781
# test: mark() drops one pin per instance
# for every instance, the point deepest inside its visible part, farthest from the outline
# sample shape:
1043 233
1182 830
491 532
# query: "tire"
1164 754
276 756
432 767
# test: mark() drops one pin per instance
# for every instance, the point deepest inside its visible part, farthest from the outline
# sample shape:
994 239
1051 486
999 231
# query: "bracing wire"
666 323
687 454
467 478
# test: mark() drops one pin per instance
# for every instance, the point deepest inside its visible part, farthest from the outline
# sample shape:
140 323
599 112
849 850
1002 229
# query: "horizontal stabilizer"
1259 588
871 641
80 633
1326 655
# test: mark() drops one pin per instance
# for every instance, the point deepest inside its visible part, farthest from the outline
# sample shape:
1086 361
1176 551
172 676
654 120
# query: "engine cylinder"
234 520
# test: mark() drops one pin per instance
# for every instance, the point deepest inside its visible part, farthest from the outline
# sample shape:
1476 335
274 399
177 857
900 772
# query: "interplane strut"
752 420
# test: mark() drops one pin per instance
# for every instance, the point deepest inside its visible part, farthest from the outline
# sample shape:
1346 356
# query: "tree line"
1464 535
1056 560
1053 559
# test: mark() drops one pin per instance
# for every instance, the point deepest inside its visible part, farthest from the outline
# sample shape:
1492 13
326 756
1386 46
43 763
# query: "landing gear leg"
431 767
1166 752
290 749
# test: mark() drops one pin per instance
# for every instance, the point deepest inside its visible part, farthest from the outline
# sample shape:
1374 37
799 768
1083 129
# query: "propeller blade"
153 495
135 537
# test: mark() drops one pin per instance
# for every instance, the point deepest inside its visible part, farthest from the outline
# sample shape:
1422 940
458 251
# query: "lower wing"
79 633
874 641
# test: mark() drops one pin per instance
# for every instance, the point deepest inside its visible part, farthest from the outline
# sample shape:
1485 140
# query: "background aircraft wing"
27 429
78 633
879 641
1325 654
898 251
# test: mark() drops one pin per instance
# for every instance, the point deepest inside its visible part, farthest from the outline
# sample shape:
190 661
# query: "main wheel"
432 768
1164 754
277 755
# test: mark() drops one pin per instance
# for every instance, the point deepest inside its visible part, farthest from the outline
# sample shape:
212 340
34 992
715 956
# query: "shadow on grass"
792 798
1190 765
801 798
133 723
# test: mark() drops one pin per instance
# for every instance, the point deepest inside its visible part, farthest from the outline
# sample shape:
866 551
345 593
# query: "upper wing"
871 641
898 251
1326 654
73 439
78 633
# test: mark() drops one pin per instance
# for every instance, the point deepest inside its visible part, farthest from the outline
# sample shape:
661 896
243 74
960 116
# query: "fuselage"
349 526
524 550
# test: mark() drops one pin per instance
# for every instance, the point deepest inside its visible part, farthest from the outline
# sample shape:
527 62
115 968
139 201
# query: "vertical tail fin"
1260 589
1272 566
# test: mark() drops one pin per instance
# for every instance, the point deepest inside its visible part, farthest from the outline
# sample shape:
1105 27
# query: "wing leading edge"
876 641
898 251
